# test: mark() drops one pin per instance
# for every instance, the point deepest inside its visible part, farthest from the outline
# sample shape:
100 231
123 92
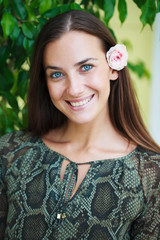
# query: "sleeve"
147 225
3 203
3 195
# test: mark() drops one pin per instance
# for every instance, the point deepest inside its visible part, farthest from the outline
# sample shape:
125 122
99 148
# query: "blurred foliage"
21 21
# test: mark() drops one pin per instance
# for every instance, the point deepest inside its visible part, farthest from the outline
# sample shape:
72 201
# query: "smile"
81 102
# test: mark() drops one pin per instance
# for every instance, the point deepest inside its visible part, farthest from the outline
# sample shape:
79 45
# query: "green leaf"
28 30
140 3
158 5
76 6
100 3
27 1
12 120
44 6
109 6
42 20
16 31
9 78
128 44
11 114
2 83
18 52
148 12
25 117
22 83
9 124
19 41
0 1
4 54
122 8
52 12
34 4
28 45
31 13
7 23
19 8
6 3
2 121
11 100
68 1
113 34
139 69
85 3
65 8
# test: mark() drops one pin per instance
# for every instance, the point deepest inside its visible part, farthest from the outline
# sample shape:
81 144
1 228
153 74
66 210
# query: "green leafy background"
21 21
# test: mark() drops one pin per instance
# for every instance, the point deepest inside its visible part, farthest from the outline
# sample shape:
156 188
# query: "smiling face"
78 76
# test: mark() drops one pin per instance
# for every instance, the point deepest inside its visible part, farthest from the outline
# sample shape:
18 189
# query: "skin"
77 73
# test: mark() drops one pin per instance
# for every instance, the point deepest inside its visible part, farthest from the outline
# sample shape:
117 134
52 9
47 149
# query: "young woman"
86 168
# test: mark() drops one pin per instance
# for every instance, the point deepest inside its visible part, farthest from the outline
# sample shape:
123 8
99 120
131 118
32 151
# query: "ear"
113 74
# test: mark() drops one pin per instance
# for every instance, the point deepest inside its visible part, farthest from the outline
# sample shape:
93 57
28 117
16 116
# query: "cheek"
55 91
101 80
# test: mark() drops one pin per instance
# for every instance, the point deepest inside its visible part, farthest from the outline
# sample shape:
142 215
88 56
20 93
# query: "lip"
80 101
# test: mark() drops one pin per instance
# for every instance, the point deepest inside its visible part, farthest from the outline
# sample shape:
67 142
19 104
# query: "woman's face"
78 76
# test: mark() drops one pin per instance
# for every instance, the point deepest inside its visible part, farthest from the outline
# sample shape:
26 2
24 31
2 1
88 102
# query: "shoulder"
15 145
14 136
146 225
147 161
148 157
16 149
147 164
11 141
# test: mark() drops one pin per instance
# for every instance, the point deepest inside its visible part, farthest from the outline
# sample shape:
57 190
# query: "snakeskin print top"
118 199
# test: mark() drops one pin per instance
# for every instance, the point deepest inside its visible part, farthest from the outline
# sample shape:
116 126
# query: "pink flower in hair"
117 57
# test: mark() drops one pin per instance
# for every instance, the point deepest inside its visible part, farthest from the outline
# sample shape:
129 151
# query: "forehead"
73 45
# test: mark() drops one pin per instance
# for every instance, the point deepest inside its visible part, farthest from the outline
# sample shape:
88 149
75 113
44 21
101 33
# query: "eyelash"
53 75
89 67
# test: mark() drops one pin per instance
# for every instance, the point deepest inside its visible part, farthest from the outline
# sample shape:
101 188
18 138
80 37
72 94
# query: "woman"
86 168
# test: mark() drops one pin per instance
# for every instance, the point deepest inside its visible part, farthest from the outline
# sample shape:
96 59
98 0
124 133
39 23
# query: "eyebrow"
76 64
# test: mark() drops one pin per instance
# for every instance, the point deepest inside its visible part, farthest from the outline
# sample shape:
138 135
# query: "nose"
75 85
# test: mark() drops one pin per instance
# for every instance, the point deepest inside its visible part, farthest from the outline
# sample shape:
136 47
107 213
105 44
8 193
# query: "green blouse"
118 199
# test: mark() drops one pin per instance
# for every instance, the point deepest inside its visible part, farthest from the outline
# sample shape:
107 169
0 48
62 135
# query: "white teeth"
77 104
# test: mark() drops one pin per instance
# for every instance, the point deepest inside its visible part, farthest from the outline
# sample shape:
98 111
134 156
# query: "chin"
80 121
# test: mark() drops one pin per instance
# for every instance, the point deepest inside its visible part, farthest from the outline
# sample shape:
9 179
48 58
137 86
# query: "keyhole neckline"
90 162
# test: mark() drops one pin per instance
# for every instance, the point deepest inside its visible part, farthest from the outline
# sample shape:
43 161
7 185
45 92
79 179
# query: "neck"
98 132
97 138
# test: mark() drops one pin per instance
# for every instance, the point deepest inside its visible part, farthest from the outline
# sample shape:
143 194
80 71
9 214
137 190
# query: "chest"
51 180
58 193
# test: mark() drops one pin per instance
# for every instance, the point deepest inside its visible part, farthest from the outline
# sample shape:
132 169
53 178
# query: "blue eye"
56 75
86 67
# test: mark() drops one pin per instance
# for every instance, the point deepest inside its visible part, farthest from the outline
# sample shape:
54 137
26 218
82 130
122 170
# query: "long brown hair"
124 111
